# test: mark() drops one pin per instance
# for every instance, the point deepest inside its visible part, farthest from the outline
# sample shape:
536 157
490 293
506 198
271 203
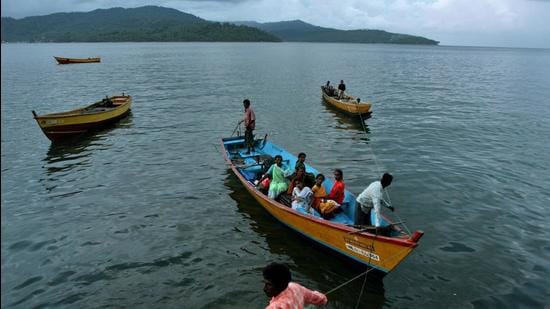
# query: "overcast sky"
507 23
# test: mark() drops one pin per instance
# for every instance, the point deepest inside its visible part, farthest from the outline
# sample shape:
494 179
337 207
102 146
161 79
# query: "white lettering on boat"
366 253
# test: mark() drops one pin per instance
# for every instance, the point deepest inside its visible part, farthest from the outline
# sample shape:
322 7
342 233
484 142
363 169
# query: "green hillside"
149 23
299 31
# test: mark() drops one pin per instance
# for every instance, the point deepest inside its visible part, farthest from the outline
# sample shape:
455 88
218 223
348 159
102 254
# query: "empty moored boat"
63 60
95 116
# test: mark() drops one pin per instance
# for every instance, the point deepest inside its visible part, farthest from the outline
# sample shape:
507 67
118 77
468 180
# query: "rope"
379 171
349 281
236 127
362 289
363 273
364 281
366 274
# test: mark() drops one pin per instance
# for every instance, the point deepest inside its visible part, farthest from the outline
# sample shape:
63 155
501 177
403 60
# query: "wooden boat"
359 243
82 120
349 104
62 60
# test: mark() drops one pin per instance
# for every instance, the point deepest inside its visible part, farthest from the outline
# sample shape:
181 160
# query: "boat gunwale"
405 242
77 60
326 97
75 112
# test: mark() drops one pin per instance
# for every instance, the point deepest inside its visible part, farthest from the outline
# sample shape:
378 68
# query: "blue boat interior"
249 165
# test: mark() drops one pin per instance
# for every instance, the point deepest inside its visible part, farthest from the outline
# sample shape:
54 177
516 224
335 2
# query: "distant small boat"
348 104
62 60
359 243
59 125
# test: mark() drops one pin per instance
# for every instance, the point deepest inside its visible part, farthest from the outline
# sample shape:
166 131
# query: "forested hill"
299 31
148 23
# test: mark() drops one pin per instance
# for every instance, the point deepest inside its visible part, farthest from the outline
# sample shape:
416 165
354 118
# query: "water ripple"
146 214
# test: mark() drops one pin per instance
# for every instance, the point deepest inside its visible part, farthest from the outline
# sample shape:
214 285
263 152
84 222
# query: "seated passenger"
299 175
329 89
300 161
263 186
309 177
319 191
301 197
107 102
278 172
332 202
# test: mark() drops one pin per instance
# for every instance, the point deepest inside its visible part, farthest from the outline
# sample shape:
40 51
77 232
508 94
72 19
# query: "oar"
364 229
236 127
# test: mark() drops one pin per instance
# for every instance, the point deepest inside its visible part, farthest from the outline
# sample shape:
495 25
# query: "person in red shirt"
336 196
285 294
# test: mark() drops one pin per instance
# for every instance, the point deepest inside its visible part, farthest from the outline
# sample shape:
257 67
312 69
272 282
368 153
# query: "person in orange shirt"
319 191
286 294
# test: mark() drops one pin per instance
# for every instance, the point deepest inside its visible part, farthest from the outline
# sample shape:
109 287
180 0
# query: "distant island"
159 24
299 31
143 24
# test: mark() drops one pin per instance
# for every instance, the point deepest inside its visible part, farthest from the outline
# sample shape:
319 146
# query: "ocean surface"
146 214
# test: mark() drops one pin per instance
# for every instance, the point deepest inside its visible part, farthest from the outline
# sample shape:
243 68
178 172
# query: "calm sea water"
146 214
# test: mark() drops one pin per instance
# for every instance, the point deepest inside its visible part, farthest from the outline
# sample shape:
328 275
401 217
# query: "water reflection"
65 158
347 121
75 147
317 263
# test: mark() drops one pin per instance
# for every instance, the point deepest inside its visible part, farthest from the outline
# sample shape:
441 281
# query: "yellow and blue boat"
360 243
82 120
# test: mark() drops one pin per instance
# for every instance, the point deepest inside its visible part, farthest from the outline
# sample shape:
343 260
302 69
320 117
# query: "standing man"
370 198
341 89
249 120
285 294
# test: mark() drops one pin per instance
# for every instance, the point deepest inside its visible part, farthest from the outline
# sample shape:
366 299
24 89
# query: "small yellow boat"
348 104
59 125
63 60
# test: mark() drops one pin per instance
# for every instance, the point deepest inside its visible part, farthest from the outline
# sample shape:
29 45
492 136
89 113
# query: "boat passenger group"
299 189
332 92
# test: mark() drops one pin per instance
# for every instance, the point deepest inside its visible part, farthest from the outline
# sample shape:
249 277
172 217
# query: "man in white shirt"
371 198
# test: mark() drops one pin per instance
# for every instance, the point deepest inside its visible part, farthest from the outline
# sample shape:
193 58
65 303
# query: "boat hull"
61 125
62 60
350 108
379 252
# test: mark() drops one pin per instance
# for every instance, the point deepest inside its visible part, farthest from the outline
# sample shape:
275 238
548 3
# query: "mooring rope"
366 274
236 127
379 171
349 281
363 274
